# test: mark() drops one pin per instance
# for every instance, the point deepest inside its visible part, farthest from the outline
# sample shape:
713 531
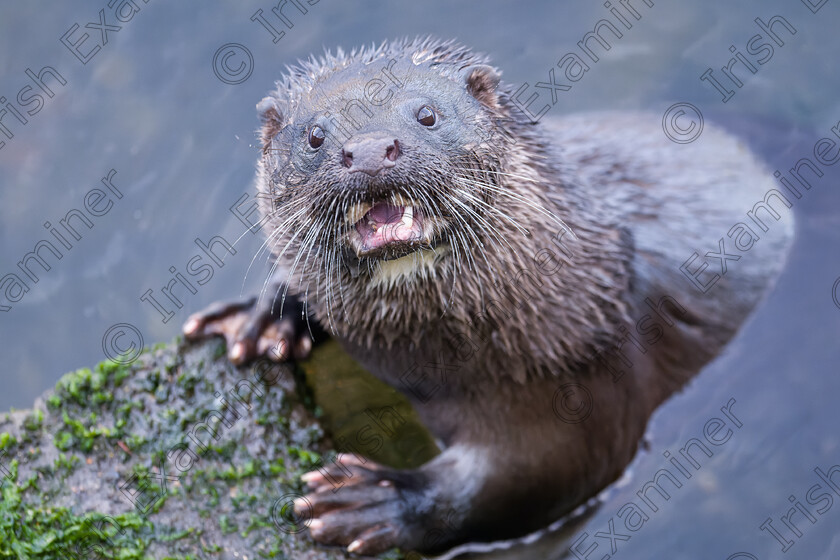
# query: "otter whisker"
494 209
308 239
275 234
484 224
278 260
275 238
519 198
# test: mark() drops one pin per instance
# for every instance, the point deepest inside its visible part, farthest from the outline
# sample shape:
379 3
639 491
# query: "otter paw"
356 506
252 329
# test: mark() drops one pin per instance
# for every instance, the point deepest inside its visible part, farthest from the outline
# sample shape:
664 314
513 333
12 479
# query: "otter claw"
252 329
373 541
237 353
191 326
303 348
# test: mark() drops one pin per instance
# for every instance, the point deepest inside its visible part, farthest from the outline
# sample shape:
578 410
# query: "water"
148 105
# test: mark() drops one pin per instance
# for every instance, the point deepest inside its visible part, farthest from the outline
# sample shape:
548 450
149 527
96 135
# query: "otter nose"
370 153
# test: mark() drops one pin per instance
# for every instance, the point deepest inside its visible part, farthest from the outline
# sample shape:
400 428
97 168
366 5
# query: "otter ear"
481 81
271 117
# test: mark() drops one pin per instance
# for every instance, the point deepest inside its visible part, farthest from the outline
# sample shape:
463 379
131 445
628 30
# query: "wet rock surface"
176 455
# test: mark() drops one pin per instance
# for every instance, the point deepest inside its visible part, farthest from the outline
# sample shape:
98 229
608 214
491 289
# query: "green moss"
80 436
162 394
187 382
177 535
226 525
277 466
85 387
213 493
135 441
152 381
115 371
225 450
63 440
123 411
235 473
256 522
308 458
29 531
66 464
7 440
33 421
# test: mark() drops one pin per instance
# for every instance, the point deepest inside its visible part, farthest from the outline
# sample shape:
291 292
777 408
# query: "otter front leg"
255 327
514 463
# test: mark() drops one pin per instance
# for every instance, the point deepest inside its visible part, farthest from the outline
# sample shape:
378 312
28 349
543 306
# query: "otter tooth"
408 217
357 212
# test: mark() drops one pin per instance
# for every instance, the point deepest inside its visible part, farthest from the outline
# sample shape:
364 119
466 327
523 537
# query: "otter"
486 265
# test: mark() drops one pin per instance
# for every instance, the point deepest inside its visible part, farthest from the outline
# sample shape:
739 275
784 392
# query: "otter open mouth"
387 230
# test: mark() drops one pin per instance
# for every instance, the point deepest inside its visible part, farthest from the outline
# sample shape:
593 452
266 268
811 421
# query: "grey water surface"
144 105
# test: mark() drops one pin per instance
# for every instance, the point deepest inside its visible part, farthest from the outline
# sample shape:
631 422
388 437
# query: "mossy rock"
176 455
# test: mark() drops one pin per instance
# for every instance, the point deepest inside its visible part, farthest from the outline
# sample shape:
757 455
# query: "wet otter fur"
513 257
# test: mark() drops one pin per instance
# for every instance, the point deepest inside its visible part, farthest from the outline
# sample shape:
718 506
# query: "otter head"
380 170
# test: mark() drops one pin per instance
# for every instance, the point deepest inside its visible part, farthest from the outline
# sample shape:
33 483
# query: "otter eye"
316 136
426 116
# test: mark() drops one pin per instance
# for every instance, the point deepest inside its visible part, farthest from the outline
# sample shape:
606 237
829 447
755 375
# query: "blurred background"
149 105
